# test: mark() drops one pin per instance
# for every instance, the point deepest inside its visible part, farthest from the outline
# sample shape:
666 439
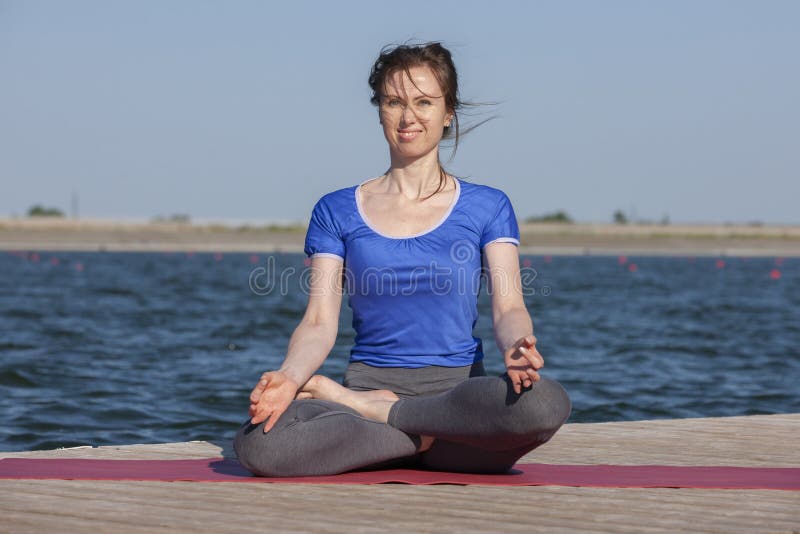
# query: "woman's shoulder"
339 201
338 197
481 192
491 210
338 207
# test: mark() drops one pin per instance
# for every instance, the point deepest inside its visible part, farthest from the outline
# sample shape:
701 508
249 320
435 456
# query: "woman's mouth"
409 134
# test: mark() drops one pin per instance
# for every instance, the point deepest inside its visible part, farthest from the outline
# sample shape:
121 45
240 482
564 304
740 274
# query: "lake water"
120 348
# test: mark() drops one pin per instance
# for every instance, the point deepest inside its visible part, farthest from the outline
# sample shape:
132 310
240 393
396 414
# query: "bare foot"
425 443
373 405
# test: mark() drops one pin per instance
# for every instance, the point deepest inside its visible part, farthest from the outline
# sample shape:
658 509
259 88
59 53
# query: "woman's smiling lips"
408 135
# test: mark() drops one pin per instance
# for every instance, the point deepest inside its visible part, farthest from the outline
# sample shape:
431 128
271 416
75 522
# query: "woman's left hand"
522 362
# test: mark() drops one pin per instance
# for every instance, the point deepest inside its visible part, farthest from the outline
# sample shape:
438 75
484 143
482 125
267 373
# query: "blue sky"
252 110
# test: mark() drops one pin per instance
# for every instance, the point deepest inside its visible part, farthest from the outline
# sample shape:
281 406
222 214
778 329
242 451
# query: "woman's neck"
414 179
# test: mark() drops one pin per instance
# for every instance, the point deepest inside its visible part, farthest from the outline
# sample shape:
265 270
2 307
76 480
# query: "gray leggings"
479 424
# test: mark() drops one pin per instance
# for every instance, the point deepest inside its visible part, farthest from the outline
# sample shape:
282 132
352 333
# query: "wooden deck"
105 506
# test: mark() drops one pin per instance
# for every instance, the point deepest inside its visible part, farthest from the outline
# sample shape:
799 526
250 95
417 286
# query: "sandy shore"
555 239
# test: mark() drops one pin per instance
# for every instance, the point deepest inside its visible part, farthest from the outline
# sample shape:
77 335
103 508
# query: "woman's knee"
554 400
275 453
539 409
253 450
243 445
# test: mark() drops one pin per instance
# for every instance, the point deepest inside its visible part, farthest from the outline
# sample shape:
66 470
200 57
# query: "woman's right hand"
270 398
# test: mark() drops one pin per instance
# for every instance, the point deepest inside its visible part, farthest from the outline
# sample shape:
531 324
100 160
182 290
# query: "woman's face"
413 115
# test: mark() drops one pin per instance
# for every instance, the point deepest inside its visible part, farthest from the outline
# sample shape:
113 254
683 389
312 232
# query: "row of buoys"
632 267
35 257
254 259
218 256
623 260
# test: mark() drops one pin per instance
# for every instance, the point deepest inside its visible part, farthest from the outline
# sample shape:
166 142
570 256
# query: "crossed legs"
479 426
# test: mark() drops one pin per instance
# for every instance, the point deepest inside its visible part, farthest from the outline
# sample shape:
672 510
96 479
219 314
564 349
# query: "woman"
408 245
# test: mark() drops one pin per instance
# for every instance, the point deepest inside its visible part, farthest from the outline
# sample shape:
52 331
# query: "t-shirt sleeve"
502 226
323 237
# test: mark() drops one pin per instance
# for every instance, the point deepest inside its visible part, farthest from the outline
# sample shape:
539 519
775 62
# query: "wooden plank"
323 508
37 505
762 440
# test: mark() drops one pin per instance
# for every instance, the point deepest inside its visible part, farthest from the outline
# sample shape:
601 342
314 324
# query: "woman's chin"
410 151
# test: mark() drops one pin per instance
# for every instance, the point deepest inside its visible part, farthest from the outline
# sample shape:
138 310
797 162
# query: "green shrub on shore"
175 218
40 211
555 217
289 228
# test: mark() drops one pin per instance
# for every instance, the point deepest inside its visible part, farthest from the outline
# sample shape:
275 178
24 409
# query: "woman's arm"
315 336
513 328
309 345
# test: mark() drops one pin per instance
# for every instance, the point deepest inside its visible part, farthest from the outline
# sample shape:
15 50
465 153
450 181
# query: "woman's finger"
538 354
258 414
512 376
273 418
527 377
261 409
262 416
533 356
255 395
516 378
529 341
533 374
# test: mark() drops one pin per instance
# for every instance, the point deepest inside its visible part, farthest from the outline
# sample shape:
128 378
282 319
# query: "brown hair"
433 55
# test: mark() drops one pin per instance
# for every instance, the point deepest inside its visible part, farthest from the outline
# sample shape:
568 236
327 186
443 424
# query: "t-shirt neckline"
441 221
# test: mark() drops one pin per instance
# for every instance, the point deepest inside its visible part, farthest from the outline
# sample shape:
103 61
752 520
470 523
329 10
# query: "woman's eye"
394 103
425 102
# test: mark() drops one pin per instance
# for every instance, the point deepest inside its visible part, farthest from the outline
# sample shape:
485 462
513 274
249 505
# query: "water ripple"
143 348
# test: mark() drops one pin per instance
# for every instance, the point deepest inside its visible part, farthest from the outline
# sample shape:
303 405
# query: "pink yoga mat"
221 470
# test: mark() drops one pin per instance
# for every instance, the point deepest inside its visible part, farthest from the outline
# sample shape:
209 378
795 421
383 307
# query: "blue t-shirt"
414 299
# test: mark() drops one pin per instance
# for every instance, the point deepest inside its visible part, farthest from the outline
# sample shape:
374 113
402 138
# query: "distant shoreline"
538 238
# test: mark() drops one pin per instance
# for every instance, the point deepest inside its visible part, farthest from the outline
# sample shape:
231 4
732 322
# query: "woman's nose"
408 116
